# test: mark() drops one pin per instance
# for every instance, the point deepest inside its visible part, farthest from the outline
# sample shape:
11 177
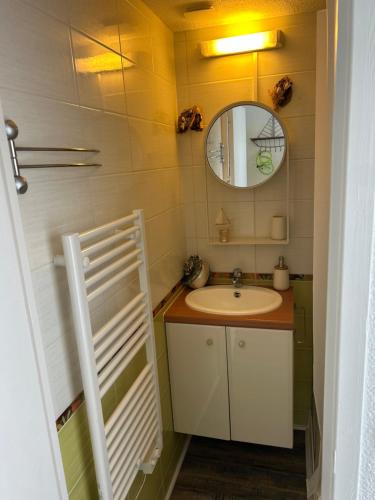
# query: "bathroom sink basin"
233 301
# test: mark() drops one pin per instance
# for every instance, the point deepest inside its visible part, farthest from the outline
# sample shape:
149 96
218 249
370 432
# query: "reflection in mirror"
245 145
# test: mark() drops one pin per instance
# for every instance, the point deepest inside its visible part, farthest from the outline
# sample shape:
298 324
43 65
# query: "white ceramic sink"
233 301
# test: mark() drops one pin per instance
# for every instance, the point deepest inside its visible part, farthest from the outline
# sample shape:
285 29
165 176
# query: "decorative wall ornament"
282 93
190 118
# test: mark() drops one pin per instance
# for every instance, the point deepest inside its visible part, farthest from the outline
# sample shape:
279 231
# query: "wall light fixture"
253 42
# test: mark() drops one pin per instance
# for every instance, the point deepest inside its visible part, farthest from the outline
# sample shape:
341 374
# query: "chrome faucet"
236 277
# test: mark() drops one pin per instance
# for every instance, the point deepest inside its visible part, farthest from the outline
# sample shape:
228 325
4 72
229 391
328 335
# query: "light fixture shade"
253 42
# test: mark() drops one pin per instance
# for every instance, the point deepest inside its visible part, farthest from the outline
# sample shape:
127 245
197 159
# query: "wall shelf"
248 241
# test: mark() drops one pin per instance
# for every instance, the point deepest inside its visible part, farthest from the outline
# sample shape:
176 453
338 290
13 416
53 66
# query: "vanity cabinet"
199 383
260 373
232 382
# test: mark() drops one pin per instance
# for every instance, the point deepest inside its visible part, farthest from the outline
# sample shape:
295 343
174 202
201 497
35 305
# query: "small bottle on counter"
281 275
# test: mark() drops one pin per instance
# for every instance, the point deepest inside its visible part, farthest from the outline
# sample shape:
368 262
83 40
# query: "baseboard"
313 455
297 427
178 468
309 449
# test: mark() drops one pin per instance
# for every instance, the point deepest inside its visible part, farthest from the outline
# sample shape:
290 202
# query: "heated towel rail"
131 438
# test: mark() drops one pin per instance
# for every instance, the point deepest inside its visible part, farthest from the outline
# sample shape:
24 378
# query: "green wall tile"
302 394
130 373
163 373
303 365
166 411
75 439
109 402
135 487
309 330
75 446
300 417
303 295
160 340
86 488
153 488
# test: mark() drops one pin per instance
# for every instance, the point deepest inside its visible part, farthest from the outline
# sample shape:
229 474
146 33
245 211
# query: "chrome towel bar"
11 130
77 150
54 165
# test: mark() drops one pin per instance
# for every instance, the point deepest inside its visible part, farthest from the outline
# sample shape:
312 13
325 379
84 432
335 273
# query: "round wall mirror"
246 144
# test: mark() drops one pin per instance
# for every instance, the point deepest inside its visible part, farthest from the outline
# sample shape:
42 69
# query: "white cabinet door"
260 366
199 381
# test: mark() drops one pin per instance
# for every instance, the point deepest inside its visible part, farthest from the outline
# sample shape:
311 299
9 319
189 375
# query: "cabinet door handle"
209 341
241 343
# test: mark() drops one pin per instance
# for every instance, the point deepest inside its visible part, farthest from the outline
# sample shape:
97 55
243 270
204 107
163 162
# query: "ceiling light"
244 43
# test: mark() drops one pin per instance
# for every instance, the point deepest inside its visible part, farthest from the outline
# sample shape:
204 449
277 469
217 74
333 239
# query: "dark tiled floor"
228 470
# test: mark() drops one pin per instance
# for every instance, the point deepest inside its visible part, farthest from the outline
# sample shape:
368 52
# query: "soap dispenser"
281 275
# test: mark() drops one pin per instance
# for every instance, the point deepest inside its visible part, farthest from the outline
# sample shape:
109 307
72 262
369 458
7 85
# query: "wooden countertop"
281 318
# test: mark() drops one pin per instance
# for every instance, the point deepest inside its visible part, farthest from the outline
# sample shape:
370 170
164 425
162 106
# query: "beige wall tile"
297 54
224 259
189 221
201 220
200 184
162 50
187 185
45 122
35 54
139 90
55 8
212 97
302 218
275 188
303 100
299 255
180 62
266 257
302 180
112 196
135 35
240 214
97 18
264 211
111 132
215 83
150 97
301 134
218 191
48 210
146 140
100 90
214 69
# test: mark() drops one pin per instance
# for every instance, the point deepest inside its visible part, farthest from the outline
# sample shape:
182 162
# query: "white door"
30 461
199 383
260 369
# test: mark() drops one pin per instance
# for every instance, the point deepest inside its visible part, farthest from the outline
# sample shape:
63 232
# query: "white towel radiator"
131 438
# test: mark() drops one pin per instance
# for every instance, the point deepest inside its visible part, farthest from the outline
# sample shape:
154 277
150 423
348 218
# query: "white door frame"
352 27
30 459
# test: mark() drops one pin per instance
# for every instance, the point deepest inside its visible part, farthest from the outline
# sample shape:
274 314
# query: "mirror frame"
227 108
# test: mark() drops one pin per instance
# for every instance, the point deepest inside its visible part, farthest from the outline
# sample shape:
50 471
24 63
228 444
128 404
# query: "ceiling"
226 11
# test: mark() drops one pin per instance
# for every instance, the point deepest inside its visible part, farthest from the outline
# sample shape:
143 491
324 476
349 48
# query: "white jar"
281 275
278 227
